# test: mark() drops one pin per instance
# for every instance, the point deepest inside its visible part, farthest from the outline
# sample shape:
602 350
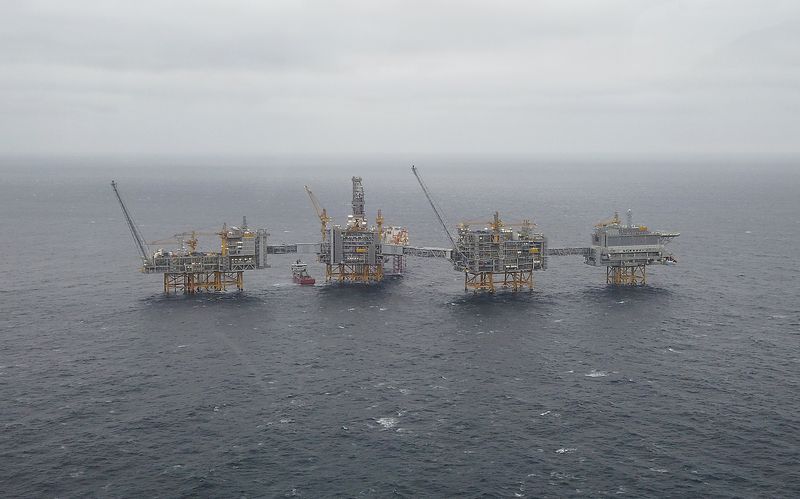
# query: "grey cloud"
185 35
440 76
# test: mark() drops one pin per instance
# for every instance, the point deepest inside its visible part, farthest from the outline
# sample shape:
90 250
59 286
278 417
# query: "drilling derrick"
358 253
190 271
358 201
627 249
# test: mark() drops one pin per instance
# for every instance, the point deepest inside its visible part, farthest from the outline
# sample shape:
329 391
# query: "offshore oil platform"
498 255
358 252
492 254
190 271
627 250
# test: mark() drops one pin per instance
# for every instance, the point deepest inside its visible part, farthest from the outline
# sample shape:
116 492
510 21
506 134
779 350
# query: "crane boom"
322 213
137 236
314 201
611 221
433 205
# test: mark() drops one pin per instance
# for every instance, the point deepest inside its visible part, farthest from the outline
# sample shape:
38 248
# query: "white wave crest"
387 422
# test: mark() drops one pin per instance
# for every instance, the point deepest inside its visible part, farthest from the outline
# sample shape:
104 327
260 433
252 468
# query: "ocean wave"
388 422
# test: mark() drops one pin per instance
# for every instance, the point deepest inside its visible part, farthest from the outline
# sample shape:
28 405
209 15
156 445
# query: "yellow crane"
611 221
188 238
321 213
223 238
525 226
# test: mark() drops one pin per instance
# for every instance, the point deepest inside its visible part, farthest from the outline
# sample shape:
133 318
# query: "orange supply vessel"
300 274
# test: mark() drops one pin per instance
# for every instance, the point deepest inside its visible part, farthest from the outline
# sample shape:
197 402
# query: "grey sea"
686 387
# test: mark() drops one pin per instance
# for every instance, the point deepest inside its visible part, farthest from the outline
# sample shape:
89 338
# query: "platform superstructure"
190 271
359 252
493 255
627 249
497 255
394 240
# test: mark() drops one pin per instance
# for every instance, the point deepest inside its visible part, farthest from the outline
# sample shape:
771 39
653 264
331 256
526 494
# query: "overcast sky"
588 77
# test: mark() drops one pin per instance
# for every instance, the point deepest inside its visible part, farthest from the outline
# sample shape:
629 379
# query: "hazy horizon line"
410 158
